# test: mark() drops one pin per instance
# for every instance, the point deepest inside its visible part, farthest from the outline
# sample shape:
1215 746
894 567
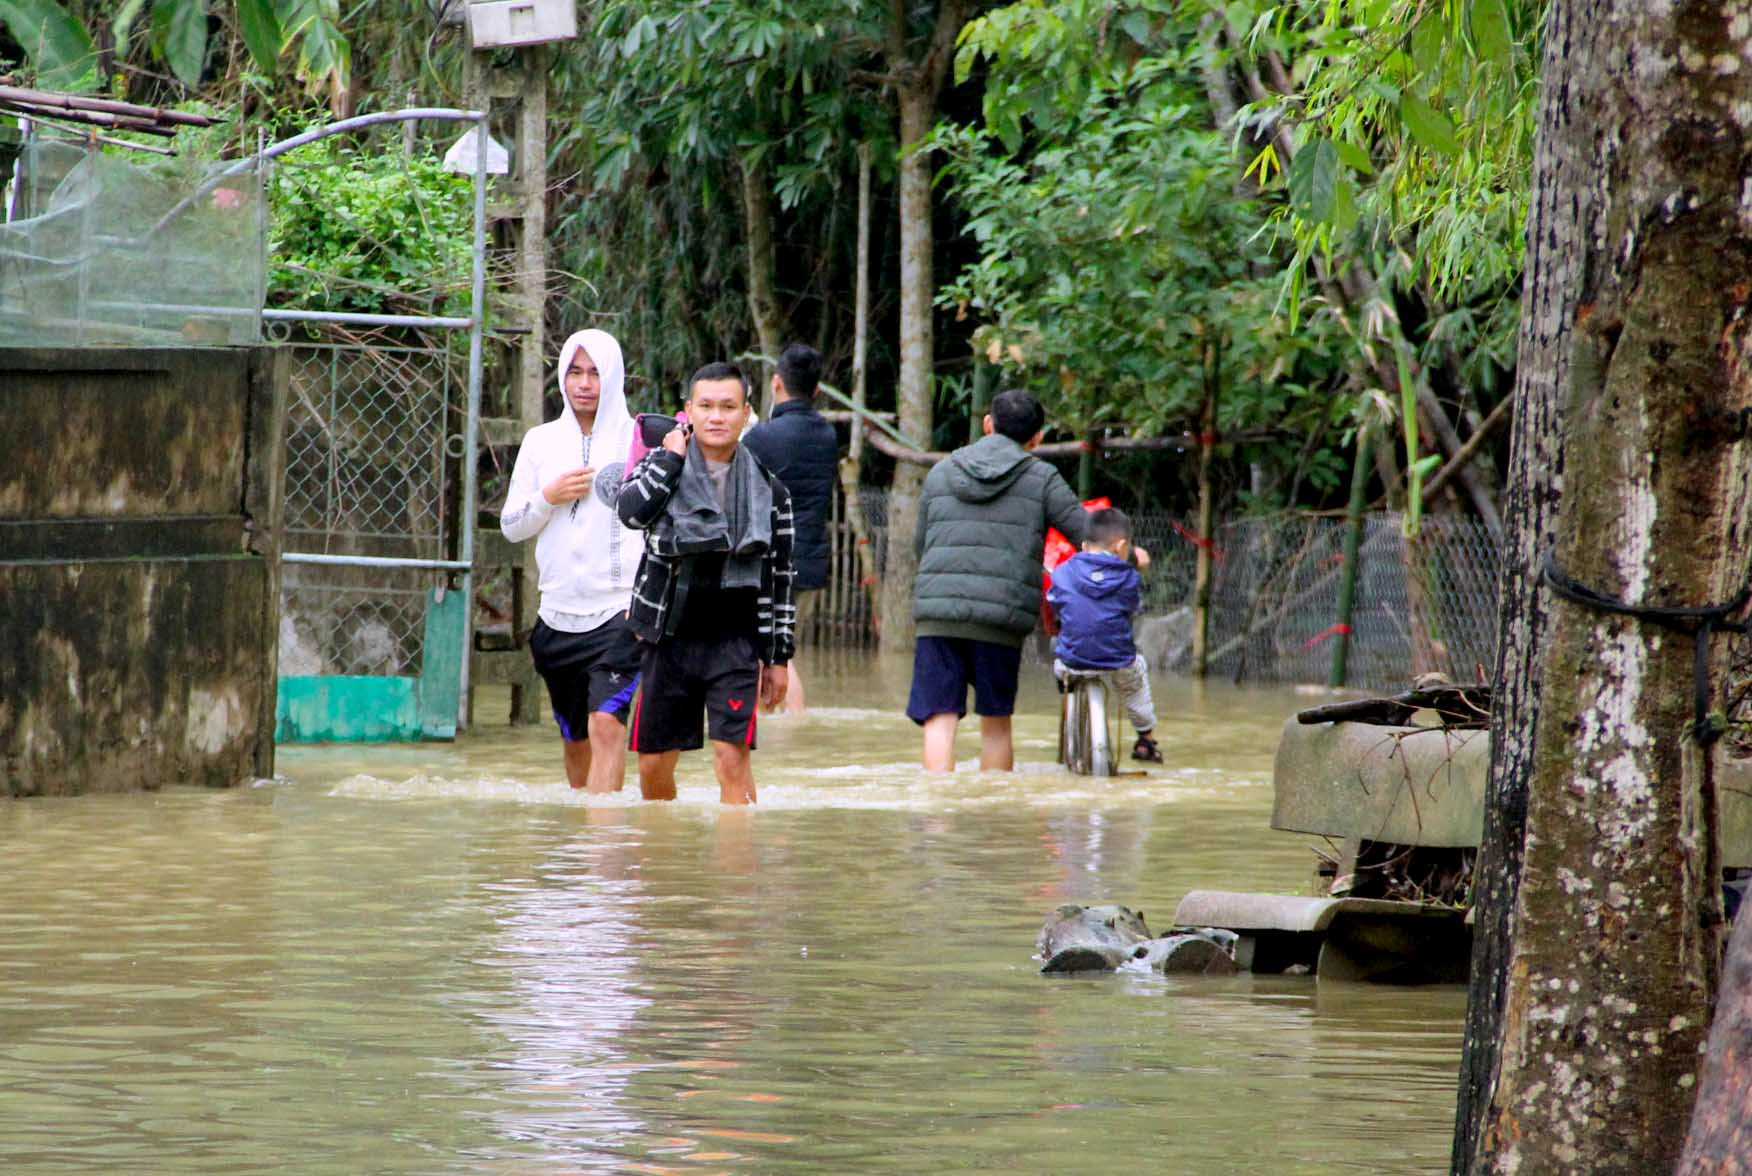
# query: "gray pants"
1133 684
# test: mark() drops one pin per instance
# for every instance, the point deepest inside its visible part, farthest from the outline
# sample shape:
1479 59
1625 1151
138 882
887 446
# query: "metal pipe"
471 431
1353 546
297 316
372 561
368 320
434 113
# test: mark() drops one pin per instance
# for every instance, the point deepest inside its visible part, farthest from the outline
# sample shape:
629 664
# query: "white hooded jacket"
587 559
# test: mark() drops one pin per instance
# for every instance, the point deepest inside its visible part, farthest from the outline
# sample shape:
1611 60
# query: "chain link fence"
1428 604
371 470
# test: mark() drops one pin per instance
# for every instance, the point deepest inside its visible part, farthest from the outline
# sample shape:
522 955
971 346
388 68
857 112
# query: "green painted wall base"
356 708
347 709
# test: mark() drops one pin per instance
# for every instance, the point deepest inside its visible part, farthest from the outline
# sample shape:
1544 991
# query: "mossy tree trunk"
1598 931
918 83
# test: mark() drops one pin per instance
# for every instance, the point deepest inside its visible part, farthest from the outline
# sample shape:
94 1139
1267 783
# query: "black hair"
719 370
800 369
1107 525
1017 415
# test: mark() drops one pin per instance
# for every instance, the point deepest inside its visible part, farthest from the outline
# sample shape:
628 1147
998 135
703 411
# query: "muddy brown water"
438 959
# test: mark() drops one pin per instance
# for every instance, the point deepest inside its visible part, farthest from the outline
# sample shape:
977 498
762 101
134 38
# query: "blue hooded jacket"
1095 595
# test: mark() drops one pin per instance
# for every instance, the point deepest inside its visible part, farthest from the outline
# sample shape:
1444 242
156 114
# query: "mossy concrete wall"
139 567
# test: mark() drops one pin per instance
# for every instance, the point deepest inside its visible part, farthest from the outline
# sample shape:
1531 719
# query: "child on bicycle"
1095 594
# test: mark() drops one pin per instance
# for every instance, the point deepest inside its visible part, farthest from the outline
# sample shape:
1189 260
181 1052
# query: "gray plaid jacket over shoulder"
643 498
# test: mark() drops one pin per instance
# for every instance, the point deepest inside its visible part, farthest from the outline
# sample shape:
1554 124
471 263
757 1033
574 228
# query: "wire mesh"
366 624
1424 604
367 465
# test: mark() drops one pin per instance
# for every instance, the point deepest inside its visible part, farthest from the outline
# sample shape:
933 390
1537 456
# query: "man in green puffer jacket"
982 527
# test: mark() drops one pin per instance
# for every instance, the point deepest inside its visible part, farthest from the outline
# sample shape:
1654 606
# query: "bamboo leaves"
179 32
56 44
260 26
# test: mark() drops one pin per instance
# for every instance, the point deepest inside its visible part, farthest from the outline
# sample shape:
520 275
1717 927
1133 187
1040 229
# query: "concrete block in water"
1104 938
1425 786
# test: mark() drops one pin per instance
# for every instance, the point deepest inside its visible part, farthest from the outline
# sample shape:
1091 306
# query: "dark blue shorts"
943 667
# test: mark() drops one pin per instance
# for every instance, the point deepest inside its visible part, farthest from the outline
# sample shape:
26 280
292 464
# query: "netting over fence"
1421 605
98 250
1428 604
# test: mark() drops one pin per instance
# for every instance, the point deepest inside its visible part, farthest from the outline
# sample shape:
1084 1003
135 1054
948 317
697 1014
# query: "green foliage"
57 37
1417 117
378 233
54 43
668 102
1117 260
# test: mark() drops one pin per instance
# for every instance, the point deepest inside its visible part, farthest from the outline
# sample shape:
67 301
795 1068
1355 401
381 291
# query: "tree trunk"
1720 1140
1591 998
916 91
763 268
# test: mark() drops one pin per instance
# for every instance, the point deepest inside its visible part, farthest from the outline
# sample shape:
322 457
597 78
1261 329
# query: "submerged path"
438 959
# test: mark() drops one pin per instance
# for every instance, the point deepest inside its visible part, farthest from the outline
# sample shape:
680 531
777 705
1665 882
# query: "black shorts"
943 668
683 676
586 672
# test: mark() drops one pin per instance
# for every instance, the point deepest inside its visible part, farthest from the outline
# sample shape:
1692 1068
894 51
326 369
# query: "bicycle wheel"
1098 741
1076 728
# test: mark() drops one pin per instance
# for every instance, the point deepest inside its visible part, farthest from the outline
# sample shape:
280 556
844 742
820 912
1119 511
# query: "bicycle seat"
1075 675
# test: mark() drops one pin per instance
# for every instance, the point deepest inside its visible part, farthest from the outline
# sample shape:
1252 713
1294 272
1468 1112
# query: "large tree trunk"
1591 998
916 91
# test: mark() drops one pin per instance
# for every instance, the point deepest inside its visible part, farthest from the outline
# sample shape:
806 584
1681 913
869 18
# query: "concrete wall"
139 567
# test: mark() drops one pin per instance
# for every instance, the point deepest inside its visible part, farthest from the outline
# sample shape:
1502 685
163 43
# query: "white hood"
612 433
587 559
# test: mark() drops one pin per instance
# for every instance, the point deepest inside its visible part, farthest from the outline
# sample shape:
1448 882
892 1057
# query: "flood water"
438 959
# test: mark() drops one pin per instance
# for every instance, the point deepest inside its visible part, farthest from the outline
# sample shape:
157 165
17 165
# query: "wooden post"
1353 544
532 361
527 212
985 385
1720 1140
861 312
851 467
1201 583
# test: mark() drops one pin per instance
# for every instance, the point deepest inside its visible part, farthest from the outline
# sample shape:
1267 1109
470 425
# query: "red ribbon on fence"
1197 540
1340 627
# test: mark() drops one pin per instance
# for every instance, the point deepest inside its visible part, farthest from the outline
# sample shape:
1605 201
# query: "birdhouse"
501 23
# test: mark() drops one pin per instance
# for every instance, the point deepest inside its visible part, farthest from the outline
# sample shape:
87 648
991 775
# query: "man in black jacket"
799 447
712 601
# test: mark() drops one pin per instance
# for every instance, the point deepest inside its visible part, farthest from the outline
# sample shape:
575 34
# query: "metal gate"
381 456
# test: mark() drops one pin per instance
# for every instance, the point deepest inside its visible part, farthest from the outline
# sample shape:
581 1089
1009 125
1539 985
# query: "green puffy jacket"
982 530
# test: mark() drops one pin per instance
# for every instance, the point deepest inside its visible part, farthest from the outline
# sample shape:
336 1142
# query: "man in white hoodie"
563 488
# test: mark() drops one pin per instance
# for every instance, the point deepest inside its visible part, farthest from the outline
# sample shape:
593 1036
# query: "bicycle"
1086 739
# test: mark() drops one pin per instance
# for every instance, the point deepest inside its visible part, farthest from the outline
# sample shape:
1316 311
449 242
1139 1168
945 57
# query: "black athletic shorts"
944 667
585 672
681 677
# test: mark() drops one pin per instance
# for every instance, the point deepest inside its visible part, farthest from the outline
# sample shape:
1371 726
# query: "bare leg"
657 774
794 704
608 768
735 772
577 761
940 742
996 752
